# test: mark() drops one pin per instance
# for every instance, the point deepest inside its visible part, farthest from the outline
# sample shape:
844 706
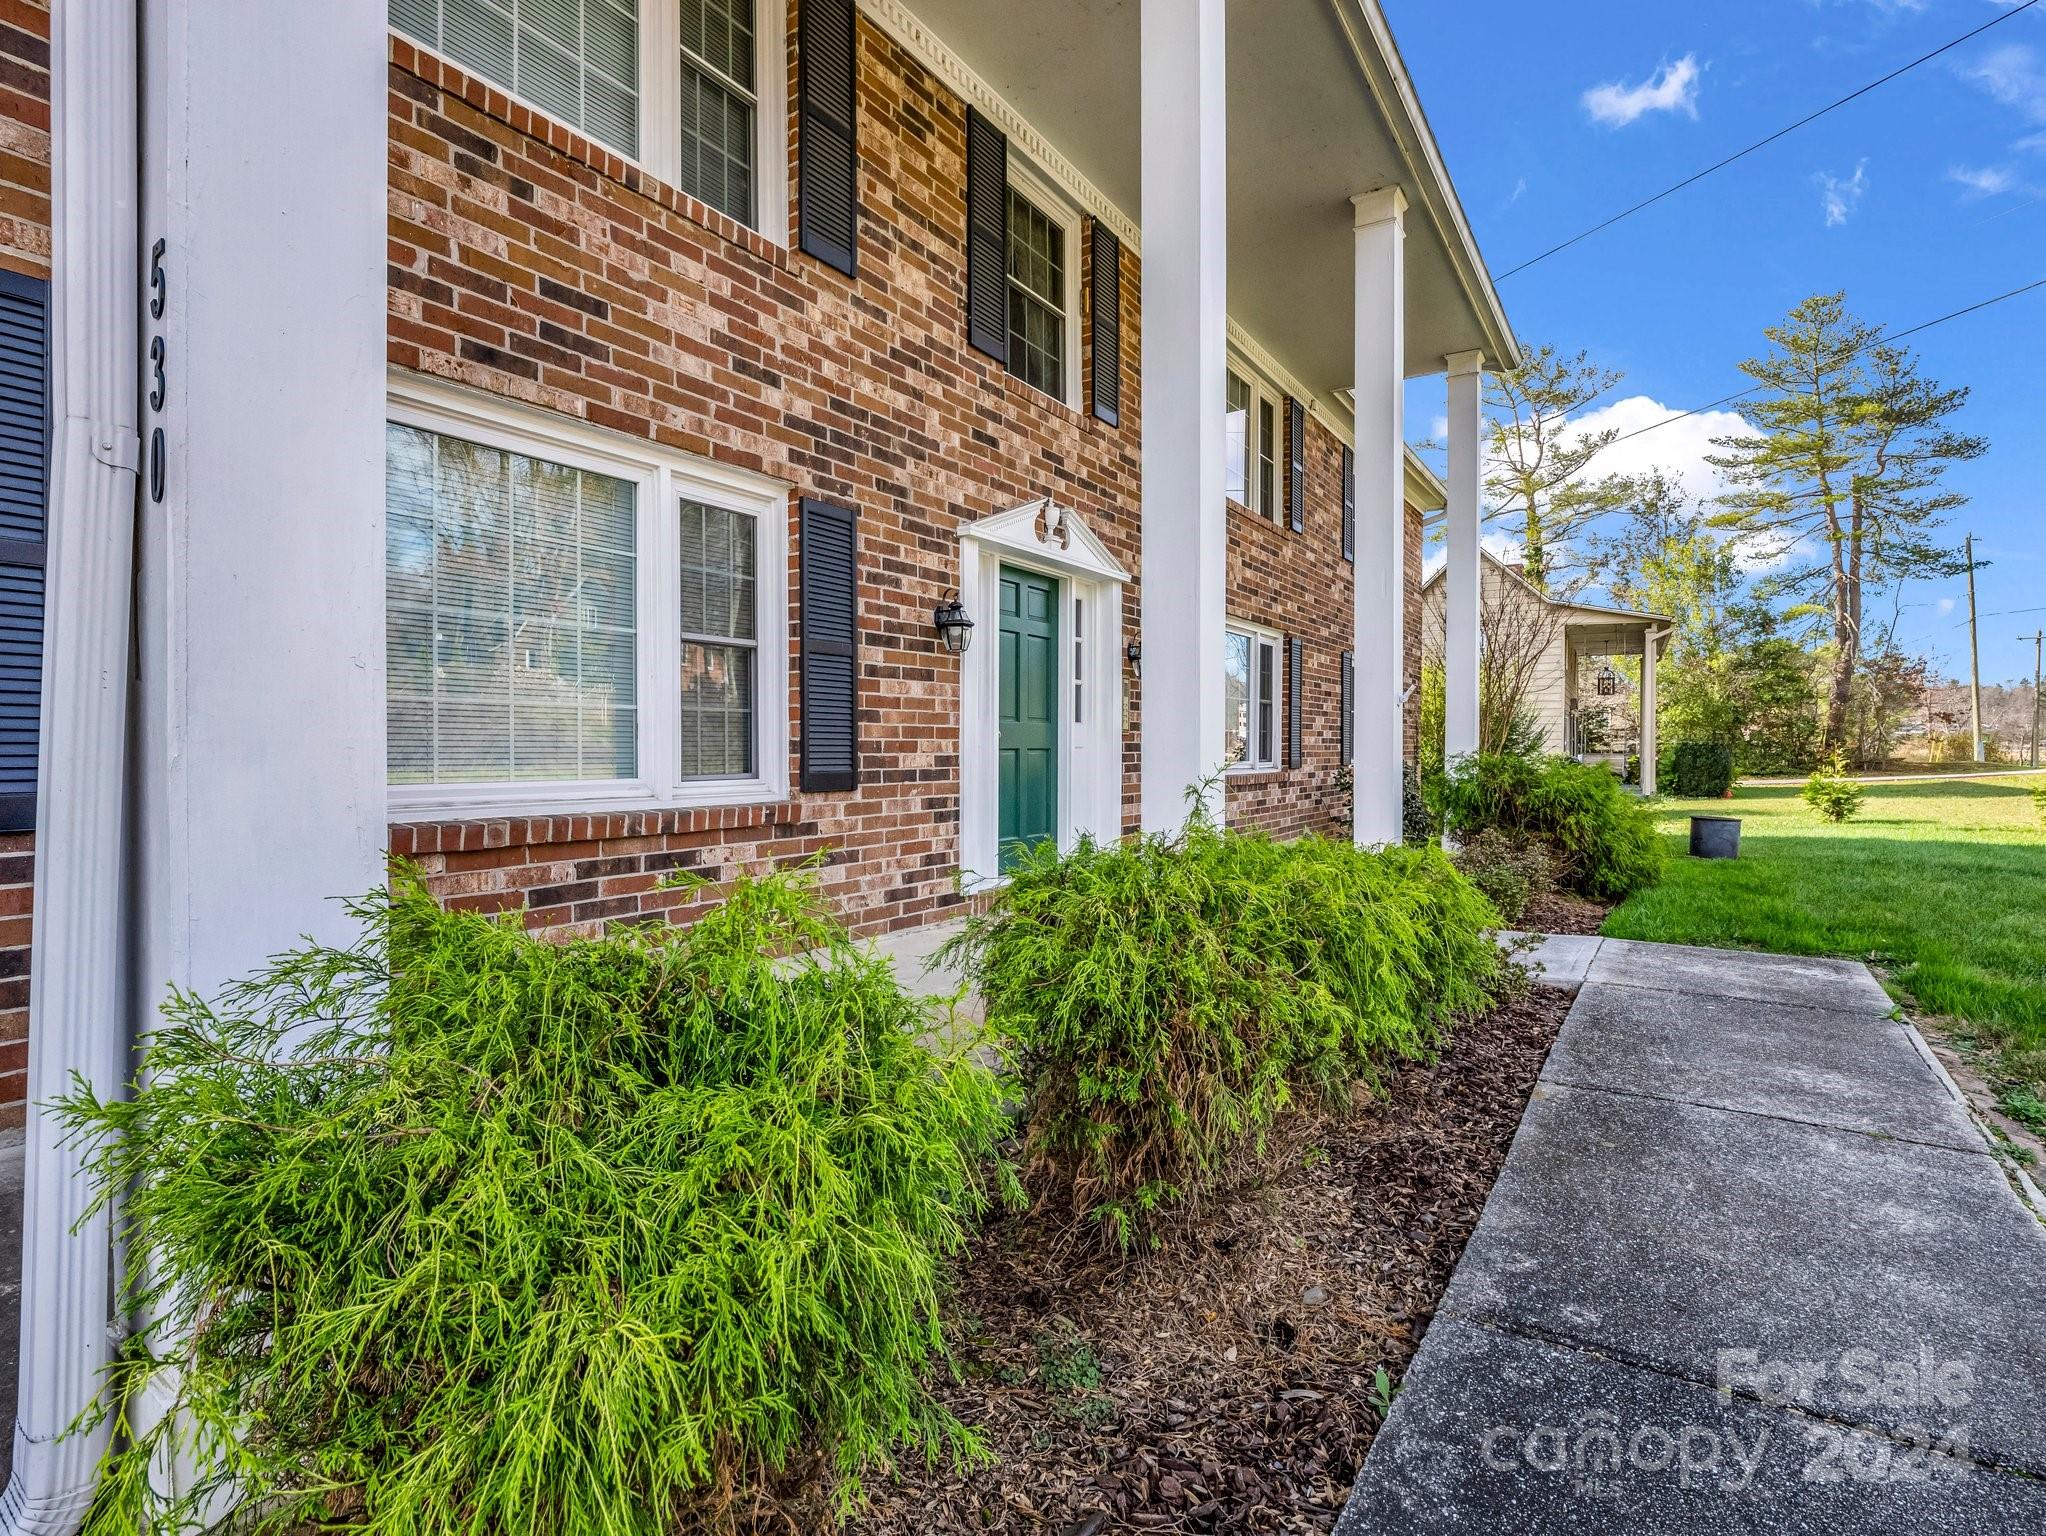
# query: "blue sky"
1926 195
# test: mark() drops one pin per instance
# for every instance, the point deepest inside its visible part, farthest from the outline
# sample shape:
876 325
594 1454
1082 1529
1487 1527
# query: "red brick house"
543 441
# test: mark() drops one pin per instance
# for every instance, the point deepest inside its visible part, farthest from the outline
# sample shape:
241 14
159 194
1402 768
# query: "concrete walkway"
1749 1267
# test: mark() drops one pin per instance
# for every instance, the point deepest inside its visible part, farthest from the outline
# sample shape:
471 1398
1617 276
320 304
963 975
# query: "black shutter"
1295 654
830 654
1349 504
1349 707
24 503
1296 453
827 138
1104 318
987 237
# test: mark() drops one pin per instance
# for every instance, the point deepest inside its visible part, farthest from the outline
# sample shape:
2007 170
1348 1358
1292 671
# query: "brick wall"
1298 584
529 263
25 248
532 264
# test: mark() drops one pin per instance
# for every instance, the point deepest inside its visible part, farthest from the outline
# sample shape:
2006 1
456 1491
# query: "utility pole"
2038 639
1974 655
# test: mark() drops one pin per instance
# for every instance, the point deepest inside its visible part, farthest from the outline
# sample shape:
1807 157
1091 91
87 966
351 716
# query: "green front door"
1029 738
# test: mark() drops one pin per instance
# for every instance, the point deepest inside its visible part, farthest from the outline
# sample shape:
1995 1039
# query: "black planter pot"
1715 837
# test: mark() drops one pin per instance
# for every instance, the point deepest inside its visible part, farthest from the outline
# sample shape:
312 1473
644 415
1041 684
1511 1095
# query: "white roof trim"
1633 615
929 50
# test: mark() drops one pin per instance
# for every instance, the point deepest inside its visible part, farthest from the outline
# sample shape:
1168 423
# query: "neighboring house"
540 441
1562 655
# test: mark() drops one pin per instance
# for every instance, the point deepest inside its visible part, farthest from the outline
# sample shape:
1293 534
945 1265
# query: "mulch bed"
1226 1383
1560 912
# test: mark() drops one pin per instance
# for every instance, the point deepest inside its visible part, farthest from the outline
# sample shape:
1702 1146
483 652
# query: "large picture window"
510 615
575 622
577 60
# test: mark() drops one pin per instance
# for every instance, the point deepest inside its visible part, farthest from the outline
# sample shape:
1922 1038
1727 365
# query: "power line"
1742 394
1697 176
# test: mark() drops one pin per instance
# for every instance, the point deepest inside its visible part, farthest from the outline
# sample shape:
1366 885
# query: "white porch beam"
1381 515
1185 330
1462 576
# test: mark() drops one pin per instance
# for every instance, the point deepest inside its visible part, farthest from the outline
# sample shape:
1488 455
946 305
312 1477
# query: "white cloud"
1519 191
1946 606
1438 429
1672 88
1841 197
2031 141
2013 75
1985 180
1679 449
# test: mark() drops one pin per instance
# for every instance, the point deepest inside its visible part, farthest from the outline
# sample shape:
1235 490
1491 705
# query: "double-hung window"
1044 287
1251 444
1236 439
694 90
719 105
573 622
576 60
1251 661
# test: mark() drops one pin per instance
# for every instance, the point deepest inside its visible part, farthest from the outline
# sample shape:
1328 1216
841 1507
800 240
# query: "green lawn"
1944 884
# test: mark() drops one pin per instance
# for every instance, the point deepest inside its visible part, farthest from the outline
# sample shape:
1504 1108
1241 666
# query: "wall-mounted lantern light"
954 625
1134 654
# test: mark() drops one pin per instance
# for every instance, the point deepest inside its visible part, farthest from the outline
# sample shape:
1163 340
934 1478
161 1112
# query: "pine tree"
1536 463
1841 475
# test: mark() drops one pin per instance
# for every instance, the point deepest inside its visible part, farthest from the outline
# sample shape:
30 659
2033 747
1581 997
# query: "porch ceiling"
1320 109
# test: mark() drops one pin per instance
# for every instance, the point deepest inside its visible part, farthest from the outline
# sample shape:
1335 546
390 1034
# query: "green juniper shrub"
456 1230
1602 839
1416 825
1167 997
1512 871
1831 793
1700 770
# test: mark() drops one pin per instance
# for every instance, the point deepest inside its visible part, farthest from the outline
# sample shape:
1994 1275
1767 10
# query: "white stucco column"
1185 329
1381 513
260 774
1461 577
1649 742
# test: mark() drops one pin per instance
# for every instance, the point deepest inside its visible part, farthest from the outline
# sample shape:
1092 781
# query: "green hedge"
1699 770
1168 997
461 1231
1603 838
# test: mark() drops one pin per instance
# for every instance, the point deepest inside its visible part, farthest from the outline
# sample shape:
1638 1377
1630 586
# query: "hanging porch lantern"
953 624
1607 683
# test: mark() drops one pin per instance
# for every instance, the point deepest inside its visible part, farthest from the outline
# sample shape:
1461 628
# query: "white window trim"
665 479
1259 635
660 105
1044 195
1262 392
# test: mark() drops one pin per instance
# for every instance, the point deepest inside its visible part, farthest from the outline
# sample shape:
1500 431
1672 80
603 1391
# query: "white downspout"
78 994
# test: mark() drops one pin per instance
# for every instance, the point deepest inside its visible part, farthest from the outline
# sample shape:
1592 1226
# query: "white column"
261 773
1461 577
1381 513
78 998
1185 329
1649 744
